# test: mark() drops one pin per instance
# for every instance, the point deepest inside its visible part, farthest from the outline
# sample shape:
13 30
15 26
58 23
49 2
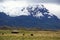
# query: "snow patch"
38 15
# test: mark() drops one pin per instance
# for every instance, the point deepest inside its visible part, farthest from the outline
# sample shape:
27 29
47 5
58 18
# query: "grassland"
37 35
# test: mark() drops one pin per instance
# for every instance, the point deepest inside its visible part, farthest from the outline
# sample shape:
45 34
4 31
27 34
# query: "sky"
52 5
36 1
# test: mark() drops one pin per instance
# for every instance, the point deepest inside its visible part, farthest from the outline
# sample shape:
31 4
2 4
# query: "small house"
15 32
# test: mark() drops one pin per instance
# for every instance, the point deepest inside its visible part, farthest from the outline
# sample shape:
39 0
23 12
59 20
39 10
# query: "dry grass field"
29 35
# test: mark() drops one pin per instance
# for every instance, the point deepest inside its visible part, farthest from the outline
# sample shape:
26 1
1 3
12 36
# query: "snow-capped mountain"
32 16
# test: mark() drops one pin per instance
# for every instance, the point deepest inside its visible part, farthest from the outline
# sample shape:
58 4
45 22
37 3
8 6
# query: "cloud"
53 8
1 0
36 1
11 7
45 1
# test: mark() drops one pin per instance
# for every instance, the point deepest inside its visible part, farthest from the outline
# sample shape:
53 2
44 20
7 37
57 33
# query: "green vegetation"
26 35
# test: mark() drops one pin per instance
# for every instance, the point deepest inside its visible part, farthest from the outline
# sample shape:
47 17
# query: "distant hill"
39 17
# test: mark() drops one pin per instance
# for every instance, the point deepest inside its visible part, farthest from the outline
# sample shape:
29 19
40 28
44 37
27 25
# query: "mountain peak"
38 11
32 16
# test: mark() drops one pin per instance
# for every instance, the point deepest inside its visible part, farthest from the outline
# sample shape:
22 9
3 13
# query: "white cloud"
53 8
13 8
